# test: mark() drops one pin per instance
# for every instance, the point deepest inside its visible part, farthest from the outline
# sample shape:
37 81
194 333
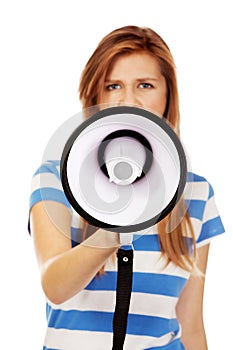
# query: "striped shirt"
85 321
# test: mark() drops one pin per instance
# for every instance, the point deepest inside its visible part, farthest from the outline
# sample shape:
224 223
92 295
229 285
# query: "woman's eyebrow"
138 79
147 78
112 81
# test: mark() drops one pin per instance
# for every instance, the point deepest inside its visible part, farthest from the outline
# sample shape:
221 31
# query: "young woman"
130 66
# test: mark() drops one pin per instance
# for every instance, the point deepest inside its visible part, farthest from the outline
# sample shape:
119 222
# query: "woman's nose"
128 96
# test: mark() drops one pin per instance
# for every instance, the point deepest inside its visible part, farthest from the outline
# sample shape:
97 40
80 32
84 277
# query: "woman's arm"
65 270
190 307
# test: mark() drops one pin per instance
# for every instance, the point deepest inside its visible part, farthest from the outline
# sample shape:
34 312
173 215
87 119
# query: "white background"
44 46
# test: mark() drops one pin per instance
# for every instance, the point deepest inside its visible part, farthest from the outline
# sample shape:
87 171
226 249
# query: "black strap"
123 294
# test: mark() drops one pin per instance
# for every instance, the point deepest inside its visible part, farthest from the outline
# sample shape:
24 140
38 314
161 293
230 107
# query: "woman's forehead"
142 63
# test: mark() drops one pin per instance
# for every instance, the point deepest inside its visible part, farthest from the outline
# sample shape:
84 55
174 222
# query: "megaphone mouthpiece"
123 171
125 156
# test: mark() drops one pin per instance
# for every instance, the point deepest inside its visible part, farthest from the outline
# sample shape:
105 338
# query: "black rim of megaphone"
113 111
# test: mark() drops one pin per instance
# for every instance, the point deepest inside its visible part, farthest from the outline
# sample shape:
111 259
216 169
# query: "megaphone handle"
126 238
123 295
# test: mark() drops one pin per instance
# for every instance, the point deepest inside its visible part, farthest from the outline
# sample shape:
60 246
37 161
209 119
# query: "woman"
131 66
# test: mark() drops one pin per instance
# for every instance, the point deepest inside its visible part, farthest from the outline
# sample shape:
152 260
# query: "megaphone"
123 169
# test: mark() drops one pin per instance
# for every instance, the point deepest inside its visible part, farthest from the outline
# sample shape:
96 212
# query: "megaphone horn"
123 169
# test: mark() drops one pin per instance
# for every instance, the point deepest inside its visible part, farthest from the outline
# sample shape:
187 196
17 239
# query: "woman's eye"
145 86
111 87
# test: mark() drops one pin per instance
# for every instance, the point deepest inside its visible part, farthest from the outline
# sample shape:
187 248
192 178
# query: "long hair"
127 40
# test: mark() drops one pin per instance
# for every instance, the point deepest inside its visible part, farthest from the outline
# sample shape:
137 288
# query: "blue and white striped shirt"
85 320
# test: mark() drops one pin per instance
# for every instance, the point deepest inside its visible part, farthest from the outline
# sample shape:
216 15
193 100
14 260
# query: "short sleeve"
46 185
211 222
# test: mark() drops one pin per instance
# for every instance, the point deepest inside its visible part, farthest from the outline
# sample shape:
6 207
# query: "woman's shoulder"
46 184
194 177
199 187
202 209
49 166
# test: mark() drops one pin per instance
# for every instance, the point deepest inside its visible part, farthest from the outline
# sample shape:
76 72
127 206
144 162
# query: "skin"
134 79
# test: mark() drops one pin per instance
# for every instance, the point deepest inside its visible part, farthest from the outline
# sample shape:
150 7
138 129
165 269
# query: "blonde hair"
127 40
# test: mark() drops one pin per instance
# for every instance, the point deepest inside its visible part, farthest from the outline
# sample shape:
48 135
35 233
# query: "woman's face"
135 79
